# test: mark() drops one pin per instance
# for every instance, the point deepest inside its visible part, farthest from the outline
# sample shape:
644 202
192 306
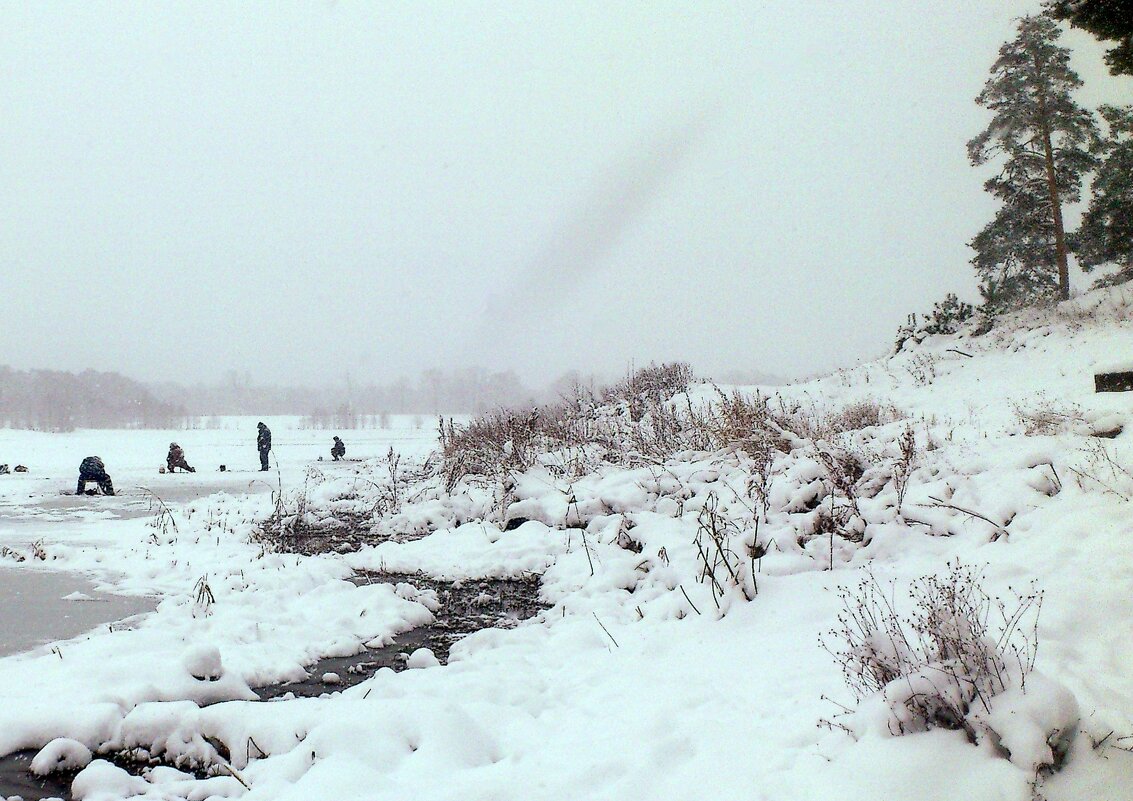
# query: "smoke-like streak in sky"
581 243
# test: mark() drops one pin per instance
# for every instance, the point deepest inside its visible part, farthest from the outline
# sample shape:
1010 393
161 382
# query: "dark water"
16 780
466 607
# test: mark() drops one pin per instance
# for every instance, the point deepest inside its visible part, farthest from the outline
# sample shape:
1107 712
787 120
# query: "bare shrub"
844 469
957 649
1044 417
906 462
922 368
665 430
861 414
634 417
720 565
743 422
655 383
491 445
1099 471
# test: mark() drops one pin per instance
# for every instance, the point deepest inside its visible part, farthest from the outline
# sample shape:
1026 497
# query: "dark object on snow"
1113 382
1109 433
92 469
176 458
263 444
20 468
4 470
338 449
223 468
515 523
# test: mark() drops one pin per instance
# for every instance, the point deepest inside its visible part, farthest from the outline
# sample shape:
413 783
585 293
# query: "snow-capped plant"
939 665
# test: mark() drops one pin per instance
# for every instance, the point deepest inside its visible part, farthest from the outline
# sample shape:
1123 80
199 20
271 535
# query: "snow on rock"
203 663
61 753
102 781
422 658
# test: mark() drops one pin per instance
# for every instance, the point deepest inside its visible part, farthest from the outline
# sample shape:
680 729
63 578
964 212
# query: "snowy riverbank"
656 672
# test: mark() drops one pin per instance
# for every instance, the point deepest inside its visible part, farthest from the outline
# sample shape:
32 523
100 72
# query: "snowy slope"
640 681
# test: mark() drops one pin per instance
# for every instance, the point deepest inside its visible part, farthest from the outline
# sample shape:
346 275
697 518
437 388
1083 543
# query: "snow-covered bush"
933 663
633 417
651 385
955 661
948 316
1043 416
862 414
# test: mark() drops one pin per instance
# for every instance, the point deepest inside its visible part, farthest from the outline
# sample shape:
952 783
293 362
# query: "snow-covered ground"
640 680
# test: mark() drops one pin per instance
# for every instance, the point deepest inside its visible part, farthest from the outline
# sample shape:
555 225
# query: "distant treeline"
348 403
52 400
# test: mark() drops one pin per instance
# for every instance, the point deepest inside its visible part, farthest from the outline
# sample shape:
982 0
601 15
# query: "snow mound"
203 663
422 658
102 781
61 753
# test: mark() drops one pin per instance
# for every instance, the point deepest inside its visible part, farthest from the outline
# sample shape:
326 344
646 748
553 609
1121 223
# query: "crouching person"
338 449
176 458
92 469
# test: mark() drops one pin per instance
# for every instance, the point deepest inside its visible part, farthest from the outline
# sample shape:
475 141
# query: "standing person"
176 458
338 449
263 444
92 469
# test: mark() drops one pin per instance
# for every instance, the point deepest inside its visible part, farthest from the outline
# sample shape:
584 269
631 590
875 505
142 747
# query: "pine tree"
1106 234
1110 20
1042 139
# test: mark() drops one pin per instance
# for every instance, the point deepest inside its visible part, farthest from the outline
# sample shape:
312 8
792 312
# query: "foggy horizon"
299 193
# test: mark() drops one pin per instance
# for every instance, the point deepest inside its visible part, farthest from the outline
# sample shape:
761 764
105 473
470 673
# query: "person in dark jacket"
92 469
263 444
338 449
176 458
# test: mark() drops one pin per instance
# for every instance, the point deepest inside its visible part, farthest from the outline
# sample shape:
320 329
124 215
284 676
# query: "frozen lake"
42 602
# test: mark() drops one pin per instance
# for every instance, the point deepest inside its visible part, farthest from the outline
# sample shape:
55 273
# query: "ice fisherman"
338 449
92 469
263 444
176 458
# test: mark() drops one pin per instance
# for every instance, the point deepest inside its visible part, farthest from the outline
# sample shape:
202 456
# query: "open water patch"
16 779
465 607
41 606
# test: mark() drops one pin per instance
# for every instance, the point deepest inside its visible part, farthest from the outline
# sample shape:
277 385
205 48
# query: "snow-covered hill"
680 656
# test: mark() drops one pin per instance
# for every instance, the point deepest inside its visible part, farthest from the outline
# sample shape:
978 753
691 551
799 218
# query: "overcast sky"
301 190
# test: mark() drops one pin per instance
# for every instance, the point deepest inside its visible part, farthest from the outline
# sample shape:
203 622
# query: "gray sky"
298 190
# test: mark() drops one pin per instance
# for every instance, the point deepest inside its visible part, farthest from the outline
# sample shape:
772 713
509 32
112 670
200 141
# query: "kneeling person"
176 458
338 449
92 469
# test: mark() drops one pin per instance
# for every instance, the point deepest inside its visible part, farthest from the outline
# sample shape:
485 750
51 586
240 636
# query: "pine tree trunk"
1055 205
